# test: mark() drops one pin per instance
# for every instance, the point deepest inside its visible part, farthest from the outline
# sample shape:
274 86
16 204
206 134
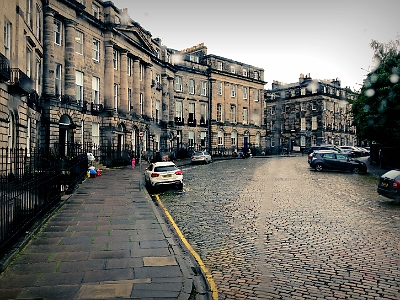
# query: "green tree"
376 111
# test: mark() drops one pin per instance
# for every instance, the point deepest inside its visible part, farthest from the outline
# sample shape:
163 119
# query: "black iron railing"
32 181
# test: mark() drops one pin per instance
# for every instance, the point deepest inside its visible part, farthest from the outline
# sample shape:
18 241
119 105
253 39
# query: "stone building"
219 102
84 74
306 113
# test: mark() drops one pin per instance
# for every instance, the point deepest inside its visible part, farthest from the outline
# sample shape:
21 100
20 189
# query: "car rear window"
164 168
391 174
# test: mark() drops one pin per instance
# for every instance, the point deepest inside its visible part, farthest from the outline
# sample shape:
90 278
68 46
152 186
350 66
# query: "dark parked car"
389 185
324 147
331 160
321 147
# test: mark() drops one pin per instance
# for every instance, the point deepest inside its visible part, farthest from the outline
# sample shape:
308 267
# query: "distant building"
306 113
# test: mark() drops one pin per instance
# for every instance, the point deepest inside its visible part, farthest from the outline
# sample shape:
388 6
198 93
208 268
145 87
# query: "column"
166 114
123 105
109 77
70 79
171 99
136 86
147 92
48 53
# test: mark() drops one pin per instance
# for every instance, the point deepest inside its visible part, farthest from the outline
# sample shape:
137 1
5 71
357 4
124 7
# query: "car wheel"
319 167
180 186
356 170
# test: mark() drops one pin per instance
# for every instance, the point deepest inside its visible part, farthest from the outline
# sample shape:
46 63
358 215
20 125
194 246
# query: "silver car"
201 157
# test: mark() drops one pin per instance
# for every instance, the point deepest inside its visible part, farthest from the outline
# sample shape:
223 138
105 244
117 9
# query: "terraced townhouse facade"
84 74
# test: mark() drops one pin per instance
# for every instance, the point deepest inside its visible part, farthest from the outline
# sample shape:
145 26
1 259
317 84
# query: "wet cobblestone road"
271 228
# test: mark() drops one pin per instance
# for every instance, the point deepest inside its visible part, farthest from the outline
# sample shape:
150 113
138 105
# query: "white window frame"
233 91
178 84
157 112
129 67
96 50
57 32
203 88
203 112
303 106
233 113
39 74
256 75
28 62
245 116
245 72
29 17
95 11
141 104
7 39
220 65
191 138
233 70
79 77
129 99
220 138
314 123
39 23
116 96
179 110
95 135
256 95
302 123
79 42
234 139
192 111
58 79
193 58
96 90
115 59
191 86
219 112
245 89
220 88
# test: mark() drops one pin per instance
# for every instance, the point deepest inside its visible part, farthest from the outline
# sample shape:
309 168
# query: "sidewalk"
108 240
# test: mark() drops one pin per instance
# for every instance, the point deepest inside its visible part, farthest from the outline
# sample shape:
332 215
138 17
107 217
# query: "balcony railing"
96 108
203 123
192 122
20 82
5 71
179 121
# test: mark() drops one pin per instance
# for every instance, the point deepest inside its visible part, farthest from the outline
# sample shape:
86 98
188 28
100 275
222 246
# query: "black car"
323 147
319 148
331 160
389 185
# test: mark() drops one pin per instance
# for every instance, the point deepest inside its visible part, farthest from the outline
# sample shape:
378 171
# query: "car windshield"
165 168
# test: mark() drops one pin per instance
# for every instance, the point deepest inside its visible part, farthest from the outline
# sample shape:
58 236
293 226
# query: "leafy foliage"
376 111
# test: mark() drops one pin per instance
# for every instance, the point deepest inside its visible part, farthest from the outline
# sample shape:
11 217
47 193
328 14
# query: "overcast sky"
328 39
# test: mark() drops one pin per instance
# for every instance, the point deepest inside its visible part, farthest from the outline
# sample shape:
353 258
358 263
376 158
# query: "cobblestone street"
275 229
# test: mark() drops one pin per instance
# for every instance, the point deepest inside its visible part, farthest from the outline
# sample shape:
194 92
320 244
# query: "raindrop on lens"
394 78
369 92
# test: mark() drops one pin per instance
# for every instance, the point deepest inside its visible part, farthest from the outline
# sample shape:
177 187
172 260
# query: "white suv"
164 173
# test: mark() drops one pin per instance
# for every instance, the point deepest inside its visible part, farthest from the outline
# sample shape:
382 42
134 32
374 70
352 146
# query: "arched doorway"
246 140
66 136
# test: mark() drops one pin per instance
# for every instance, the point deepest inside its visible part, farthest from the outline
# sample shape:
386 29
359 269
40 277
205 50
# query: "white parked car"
163 173
201 157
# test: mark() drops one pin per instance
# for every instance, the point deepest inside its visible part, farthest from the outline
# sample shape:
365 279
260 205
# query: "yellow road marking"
210 280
